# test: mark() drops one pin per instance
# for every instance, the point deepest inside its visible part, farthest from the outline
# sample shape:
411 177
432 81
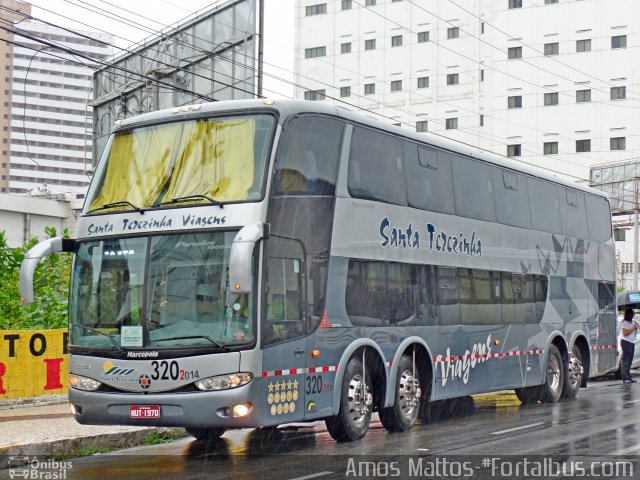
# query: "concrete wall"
24 217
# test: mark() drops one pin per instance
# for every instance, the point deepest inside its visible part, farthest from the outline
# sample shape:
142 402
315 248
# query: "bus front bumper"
193 409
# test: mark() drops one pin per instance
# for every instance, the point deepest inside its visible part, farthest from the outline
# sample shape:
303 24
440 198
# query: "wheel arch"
374 362
423 357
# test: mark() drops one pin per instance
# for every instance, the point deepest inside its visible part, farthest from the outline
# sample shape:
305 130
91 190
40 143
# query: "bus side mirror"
240 280
31 259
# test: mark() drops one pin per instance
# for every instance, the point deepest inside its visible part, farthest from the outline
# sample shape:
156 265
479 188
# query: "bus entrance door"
284 335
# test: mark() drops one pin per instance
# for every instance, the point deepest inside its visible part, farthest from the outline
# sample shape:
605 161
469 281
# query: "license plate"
144 411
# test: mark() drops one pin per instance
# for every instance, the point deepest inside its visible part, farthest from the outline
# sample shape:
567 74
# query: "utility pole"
260 44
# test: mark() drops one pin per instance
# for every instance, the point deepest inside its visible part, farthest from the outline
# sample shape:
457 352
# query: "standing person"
628 344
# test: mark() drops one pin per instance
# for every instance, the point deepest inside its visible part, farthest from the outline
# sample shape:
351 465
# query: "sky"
153 15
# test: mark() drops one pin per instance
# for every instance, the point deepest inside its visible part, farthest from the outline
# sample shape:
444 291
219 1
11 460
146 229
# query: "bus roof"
286 108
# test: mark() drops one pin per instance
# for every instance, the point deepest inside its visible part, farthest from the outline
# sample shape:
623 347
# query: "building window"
550 99
347 4
421 126
453 32
583 146
315 52
396 41
618 93
549 2
514 150
515 3
551 48
396 86
345 47
316 9
618 143
370 3
481 120
370 44
515 101
314 95
482 75
583 96
423 82
550 148
345 91
453 79
451 123
583 45
423 37
619 41
515 52
619 236
369 88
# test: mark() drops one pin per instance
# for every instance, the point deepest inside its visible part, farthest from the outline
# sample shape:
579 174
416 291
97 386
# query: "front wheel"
554 379
353 418
207 434
575 374
404 412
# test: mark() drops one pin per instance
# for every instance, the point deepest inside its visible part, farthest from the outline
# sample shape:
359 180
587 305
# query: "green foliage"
51 287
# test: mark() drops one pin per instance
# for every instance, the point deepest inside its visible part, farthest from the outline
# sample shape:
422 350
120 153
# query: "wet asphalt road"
601 425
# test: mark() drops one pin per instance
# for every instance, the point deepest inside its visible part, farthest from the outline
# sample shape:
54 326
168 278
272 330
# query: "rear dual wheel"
404 412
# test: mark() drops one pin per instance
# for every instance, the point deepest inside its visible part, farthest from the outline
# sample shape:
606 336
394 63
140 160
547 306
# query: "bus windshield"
158 291
222 158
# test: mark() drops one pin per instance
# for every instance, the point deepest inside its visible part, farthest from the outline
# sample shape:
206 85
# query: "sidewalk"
44 426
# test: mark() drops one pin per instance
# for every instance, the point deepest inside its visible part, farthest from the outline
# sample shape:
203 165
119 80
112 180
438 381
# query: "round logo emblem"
144 381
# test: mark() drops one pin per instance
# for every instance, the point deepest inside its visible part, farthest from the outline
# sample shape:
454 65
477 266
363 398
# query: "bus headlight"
224 382
83 383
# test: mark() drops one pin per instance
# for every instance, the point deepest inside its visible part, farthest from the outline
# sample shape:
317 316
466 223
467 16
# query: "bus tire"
574 374
528 395
554 378
353 418
406 405
207 434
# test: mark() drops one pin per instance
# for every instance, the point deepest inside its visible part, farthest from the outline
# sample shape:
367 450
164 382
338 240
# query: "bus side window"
284 319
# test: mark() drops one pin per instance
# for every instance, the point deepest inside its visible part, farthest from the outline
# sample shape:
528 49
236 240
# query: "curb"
70 446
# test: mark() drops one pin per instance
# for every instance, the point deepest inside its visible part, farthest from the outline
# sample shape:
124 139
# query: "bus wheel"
528 395
575 374
554 381
404 412
354 416
205 433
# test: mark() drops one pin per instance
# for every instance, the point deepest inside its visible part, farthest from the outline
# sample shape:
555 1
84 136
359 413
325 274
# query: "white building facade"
49 139
552 82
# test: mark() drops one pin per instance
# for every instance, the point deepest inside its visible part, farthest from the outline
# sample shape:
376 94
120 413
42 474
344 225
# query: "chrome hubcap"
359 399
553 372
408 393
576 370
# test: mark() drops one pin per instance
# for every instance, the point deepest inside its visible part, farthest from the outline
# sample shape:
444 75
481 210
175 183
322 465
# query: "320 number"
313 384
164 370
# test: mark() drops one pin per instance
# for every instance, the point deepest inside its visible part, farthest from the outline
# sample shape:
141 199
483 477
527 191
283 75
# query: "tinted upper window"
473 189
429 184
512 198
573 214
545 209
307 159
376 170
598 218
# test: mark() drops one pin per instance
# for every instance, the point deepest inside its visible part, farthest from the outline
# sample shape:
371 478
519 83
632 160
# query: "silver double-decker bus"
255 263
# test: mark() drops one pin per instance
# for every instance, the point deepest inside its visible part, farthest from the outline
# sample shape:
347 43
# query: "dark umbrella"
628 299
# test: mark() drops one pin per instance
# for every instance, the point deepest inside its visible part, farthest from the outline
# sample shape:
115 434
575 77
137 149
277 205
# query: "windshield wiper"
217 344
192 197
109 336
117 204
